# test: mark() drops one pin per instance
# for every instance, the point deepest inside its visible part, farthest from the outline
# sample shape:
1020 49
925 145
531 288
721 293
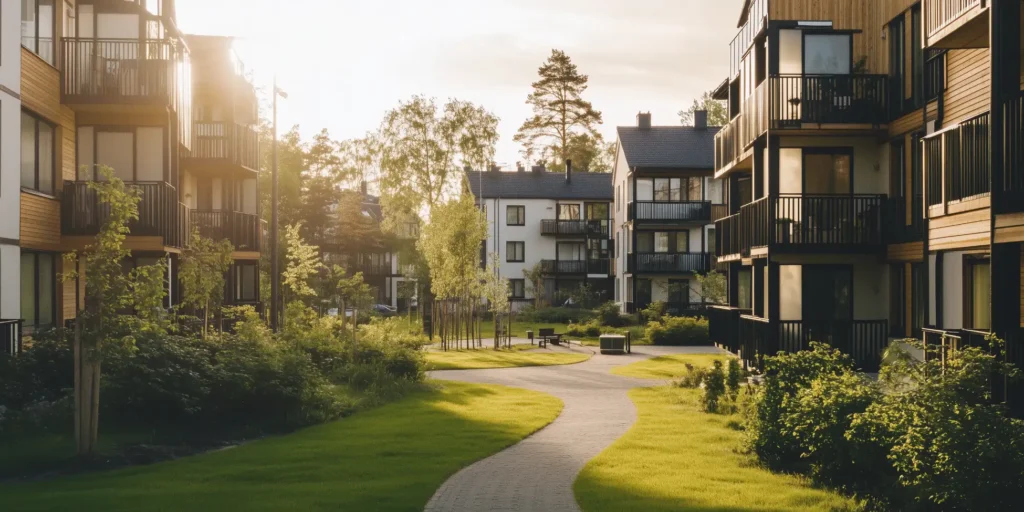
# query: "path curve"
537 474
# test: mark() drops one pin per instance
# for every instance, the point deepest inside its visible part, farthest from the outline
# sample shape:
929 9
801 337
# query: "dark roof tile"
669 147
541 185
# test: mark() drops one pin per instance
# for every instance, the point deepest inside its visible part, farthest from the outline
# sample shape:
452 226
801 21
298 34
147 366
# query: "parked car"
385 310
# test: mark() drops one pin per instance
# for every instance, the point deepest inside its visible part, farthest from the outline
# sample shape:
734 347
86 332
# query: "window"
37 26
515 215
712 242
828 171
515 252
827 54
37 152
135 154
569 212
38 289
918 298
246 282
897 301
682 241
978 285
669 189
517 288
661 242
744 280
678 294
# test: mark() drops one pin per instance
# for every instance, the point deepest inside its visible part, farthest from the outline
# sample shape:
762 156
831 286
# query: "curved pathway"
537 474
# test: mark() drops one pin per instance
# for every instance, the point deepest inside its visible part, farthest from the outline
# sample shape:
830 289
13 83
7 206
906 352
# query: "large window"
827 54
515 252
663 242
828 171
515 215
978 303
246 282
38 289
37 150
669 189
745 282
569 212
135 154
517 288
37 26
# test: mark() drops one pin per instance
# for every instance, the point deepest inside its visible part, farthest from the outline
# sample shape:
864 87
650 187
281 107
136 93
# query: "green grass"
519 328
678 458
490 358
667 367
391 458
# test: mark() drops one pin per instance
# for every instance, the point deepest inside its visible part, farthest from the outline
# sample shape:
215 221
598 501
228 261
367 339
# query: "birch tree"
203 265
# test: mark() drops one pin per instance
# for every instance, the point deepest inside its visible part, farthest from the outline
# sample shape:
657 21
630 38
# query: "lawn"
391 458
506 358
667 367
519 331
678 458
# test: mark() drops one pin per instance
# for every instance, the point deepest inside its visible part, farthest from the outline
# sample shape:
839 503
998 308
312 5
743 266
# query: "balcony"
814 223
126 71
863 340
669 263
956 23
225 144
241 229
160 213
756 22
575 227
734 139
806 101
724 326
956 164
576 267
902 223
373 265
670 212
10 336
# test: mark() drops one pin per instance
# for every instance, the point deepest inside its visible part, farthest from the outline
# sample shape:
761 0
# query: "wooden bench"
546 335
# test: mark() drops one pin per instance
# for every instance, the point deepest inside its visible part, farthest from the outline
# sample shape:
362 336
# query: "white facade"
10 158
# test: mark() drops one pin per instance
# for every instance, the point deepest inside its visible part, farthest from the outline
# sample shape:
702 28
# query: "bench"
546 335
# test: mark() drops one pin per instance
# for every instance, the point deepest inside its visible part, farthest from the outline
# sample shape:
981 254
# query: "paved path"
537 474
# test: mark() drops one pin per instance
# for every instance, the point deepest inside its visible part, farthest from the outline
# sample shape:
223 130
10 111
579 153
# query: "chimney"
700 119
520 167
568 171
362 187
643 120
538 168
495 168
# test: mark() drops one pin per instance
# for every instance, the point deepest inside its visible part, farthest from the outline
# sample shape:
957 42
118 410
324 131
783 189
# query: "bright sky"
345 63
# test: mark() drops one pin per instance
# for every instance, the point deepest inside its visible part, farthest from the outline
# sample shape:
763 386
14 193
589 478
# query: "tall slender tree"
559 111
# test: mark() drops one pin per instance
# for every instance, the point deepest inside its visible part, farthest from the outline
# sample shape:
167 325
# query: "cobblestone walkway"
537 474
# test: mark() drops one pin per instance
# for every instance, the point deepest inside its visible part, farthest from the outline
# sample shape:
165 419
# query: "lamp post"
275 275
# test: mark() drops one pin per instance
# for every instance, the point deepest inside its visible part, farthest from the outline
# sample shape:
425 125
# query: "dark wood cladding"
957 162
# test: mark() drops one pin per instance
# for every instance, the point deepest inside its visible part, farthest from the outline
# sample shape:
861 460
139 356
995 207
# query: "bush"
43 373
654 311
591 329
693 377
678 331
609 315
734 377
713 388
558 315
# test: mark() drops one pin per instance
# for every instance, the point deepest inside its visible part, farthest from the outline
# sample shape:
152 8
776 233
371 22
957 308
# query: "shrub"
713 388
654 311
558 315
591 329
693 377
734 377
44 372
678 331
609 315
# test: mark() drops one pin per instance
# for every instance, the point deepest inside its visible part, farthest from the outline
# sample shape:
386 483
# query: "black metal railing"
827 220
241 229
939 13
674 211
233 142
901 225
828 99
10 336
564 266
754 218
102 70
698 262
756 340
724 326
728 239
957 161
576 227
863 340
1013 153
160 213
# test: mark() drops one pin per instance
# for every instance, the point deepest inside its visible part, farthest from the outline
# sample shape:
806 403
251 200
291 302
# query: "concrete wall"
10 159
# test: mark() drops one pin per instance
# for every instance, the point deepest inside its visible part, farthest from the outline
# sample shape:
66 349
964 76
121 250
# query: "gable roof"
541 185
668 147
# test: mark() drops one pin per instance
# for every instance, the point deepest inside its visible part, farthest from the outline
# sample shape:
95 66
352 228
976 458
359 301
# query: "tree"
559 111
118 304
718 114
589 153
352 231
422 151
302 266
713 287
535 278
495 291
203 265
349 291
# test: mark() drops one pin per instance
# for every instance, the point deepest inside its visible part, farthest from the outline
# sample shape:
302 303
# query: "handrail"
939 14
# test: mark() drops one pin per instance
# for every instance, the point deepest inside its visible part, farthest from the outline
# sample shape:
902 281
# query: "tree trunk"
87 396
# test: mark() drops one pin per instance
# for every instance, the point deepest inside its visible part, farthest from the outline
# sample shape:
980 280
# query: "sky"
344 63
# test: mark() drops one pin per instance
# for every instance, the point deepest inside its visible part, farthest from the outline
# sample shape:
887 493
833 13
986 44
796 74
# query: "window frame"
239 267
517 288
970 262
520 215
58 13
53 156
34 323
510 250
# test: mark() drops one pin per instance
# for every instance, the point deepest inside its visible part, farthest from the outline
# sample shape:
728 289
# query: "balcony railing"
696 262
126 71
728 239
593 266
1013 154
957 162
241 229
724 326
575 227
757 20
828 99
732 140
940 13
234 143
675 211
160 213
10 336
863 340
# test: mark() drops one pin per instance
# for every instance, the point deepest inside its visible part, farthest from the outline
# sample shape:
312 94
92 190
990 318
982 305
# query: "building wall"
870 162
10 156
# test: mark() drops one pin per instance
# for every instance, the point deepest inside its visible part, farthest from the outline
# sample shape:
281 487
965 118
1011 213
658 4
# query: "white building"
560 221
665 204
10 158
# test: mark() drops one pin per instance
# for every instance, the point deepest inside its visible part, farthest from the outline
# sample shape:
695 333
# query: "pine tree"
559 111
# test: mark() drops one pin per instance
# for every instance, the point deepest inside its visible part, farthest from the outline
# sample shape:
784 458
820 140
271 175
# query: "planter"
613 344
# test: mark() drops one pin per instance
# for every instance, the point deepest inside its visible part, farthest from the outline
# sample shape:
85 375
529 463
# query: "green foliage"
203 265
43 373
450 244
692 377
734 377
713 287
678 331
608 313
557 315
302 266
495 288
713 388
718 113
535 282
561 117
654 311
591 329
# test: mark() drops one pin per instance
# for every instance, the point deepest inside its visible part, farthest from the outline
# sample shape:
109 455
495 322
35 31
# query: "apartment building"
10 191
665 202
874 190
112 83
558 221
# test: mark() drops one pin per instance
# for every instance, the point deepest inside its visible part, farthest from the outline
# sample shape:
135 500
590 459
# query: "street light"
275 275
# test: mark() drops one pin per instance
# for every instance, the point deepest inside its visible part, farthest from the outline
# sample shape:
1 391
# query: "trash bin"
529 335
613 344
